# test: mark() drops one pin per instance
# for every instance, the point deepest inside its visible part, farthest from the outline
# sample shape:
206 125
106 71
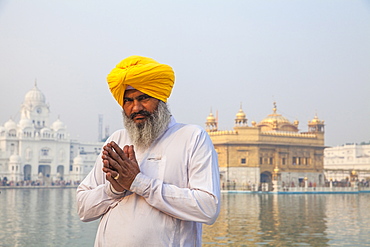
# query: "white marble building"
347 162
35 150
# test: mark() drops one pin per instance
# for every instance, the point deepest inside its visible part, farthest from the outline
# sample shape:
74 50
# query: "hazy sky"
310 56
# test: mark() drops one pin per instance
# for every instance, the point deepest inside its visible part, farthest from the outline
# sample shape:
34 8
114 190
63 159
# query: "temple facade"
251 157
33 150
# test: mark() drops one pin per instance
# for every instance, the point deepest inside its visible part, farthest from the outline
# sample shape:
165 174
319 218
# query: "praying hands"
120 165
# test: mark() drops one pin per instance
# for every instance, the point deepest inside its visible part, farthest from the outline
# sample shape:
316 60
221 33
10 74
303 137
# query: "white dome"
10 124
45 130
58 125
26 123
15 159
78 160
34 97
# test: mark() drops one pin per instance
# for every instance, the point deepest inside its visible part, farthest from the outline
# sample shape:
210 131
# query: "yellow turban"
144 74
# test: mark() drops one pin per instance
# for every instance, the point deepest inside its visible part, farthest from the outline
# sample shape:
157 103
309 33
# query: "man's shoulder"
118 134
188 128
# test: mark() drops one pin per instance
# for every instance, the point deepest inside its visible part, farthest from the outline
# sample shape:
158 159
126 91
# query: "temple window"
271 161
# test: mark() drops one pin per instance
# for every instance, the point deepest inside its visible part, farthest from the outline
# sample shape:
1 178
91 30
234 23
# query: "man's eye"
126 100
143 97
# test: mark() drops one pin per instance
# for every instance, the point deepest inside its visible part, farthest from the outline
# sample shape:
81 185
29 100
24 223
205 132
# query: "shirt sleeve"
200 202
95 195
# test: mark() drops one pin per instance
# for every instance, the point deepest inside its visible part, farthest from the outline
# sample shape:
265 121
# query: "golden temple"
253 156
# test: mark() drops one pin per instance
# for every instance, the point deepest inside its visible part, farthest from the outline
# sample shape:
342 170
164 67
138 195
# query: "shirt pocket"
154 166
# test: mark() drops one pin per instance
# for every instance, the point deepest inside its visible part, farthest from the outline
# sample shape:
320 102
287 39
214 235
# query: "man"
157 180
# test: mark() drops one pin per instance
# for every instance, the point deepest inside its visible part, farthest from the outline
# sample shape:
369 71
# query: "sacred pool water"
47 217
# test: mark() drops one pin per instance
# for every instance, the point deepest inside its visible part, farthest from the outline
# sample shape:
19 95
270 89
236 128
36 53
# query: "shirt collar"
172 122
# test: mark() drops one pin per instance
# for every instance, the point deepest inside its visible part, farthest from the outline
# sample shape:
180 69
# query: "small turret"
316 125
211 122
240 118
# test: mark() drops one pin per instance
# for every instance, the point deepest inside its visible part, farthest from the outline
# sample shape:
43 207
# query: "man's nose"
137 106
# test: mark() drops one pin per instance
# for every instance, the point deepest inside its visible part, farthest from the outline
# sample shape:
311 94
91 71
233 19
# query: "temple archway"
266 177
44 170
27 169
60 172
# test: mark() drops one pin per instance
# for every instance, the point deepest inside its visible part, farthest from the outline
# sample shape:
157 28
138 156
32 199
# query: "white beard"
145 133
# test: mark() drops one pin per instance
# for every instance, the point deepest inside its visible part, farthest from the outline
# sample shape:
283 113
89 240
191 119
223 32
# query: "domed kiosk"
211 122
240 118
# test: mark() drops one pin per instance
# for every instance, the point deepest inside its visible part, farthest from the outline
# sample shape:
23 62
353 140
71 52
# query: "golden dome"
316 120
211 118
276 121
316 125
211 122
240 118
240 115
274 117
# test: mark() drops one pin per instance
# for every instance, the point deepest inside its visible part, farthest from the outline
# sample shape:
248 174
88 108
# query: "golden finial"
274 109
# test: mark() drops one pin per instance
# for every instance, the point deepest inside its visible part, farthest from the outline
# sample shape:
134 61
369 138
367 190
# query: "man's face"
138 106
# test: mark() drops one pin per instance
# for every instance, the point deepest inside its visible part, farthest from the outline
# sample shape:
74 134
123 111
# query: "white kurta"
176 191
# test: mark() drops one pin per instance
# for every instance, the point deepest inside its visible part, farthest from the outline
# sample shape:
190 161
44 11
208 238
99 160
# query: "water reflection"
47 217
290 220
42 217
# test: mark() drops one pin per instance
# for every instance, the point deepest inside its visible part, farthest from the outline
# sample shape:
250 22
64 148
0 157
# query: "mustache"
142 113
